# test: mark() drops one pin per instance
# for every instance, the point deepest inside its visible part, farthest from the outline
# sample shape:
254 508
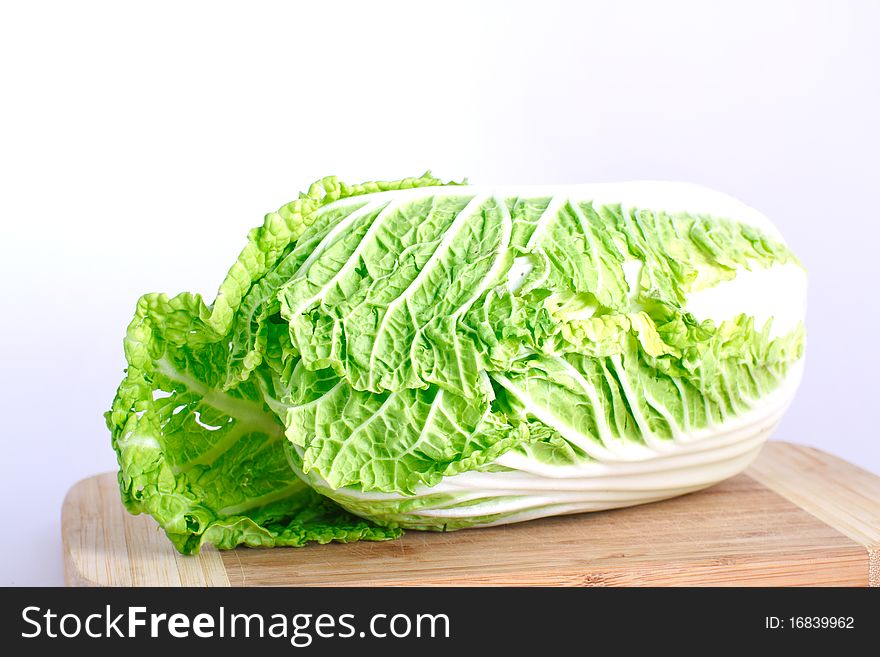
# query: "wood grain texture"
836 492
104 545
797 517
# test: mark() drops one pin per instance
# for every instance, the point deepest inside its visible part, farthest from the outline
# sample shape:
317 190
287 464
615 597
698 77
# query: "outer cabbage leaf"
379 301
197 446
389 441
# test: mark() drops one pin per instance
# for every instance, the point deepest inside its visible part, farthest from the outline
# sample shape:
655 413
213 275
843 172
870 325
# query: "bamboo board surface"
797 516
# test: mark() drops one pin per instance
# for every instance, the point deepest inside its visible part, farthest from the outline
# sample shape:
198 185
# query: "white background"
137 146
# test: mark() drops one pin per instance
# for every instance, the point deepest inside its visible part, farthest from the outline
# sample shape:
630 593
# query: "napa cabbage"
430 355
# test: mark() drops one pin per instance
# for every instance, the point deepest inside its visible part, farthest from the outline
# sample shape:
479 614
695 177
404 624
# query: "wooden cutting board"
798 516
